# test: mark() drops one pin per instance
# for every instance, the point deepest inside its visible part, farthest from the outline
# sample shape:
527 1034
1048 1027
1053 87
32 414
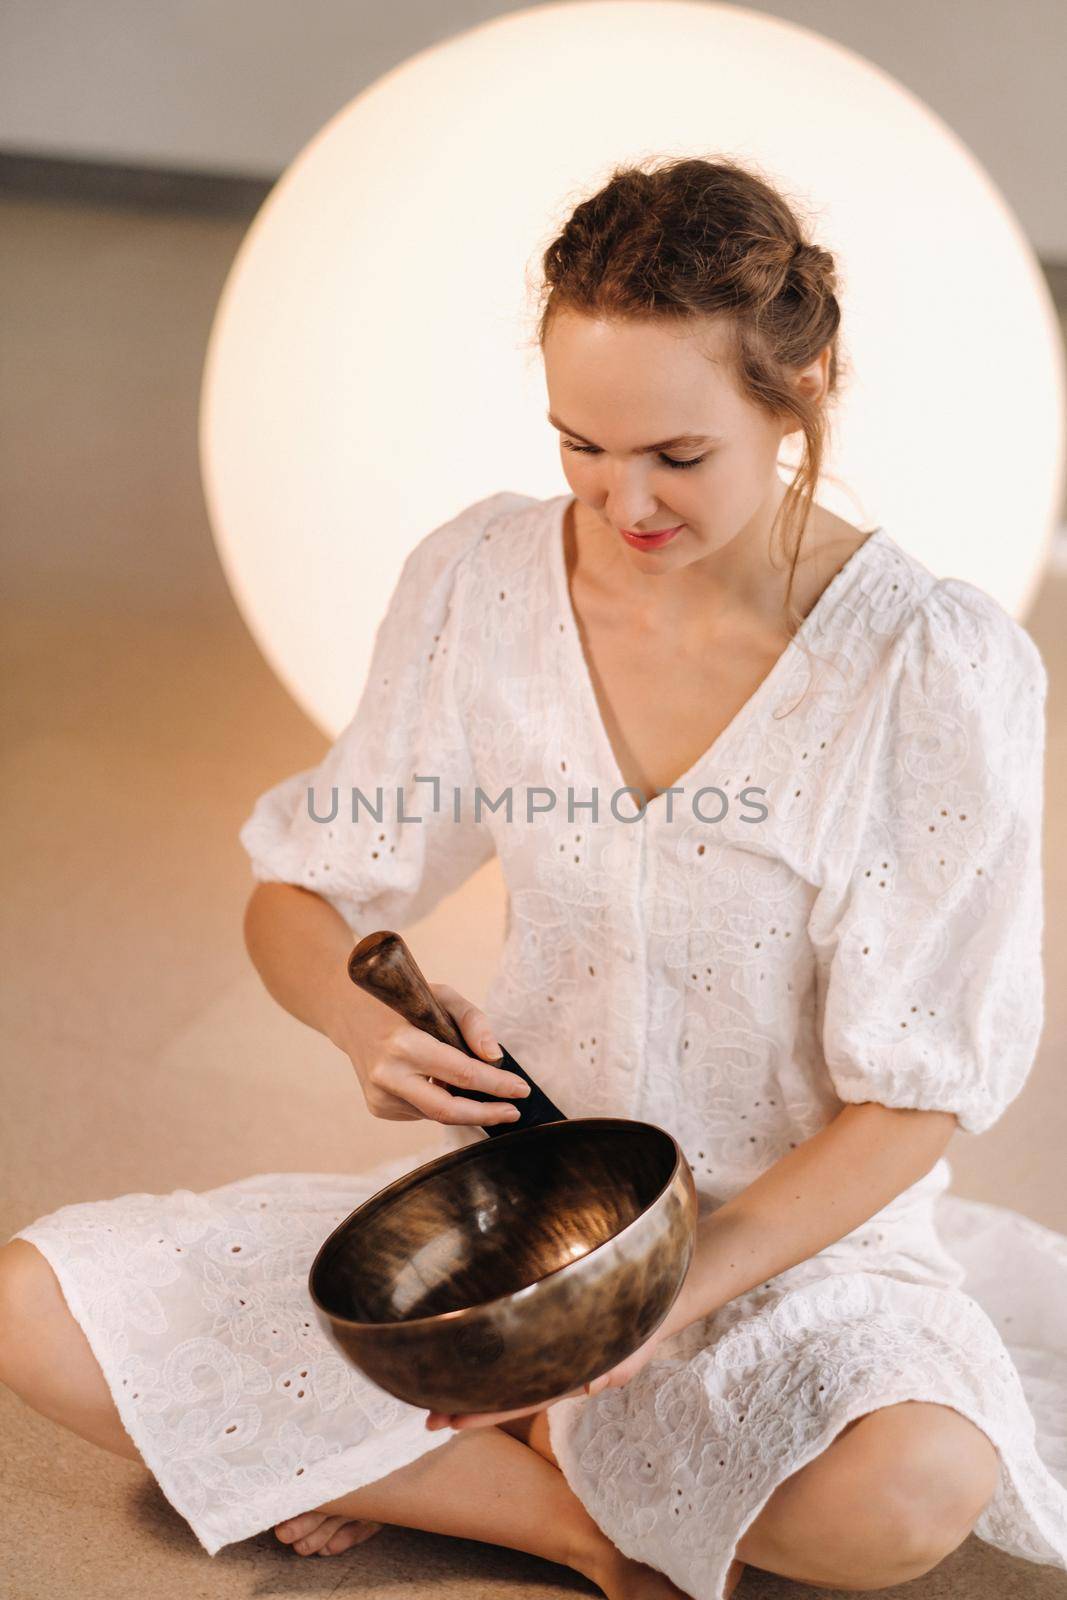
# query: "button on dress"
839 901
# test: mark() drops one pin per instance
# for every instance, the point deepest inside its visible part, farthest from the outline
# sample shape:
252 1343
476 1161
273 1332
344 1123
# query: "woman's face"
617 387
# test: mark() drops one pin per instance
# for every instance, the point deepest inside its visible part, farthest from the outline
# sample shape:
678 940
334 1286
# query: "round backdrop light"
370 370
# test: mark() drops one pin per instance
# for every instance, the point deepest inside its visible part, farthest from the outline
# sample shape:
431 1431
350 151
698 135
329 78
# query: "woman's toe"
313 1541
295 1527
297 1530
351 1533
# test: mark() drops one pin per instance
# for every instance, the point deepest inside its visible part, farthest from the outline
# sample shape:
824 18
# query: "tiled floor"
142 1052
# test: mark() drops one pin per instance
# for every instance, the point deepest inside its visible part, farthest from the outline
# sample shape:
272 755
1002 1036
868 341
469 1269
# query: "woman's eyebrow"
644 449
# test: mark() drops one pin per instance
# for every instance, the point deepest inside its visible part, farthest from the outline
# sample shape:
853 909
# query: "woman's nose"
630 510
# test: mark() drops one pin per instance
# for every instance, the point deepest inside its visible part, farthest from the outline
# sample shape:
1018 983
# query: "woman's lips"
651 540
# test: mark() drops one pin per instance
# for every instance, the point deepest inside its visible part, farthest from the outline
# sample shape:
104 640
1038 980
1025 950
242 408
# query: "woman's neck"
738 588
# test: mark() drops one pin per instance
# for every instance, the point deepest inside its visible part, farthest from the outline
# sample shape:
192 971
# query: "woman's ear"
813 380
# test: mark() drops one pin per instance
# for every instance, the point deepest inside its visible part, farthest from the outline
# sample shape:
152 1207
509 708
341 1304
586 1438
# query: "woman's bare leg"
45 1357
482 1485
894 1493
886 1501
533 1431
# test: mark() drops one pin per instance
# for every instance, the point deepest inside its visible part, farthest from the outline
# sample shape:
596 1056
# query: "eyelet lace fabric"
875 934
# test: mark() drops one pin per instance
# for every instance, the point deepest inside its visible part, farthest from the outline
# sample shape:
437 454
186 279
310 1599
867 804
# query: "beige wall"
240 86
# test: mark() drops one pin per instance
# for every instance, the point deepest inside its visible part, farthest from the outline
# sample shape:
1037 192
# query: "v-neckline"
744 712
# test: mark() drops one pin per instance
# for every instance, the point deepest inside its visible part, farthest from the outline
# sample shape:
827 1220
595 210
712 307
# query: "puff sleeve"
408 725
928 926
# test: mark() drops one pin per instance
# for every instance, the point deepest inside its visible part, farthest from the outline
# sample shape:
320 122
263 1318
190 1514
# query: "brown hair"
688 239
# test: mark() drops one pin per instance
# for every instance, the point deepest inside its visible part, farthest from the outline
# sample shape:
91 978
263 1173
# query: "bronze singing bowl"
515 1270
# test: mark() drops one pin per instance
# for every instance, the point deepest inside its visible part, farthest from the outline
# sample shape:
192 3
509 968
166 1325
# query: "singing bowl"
515 1270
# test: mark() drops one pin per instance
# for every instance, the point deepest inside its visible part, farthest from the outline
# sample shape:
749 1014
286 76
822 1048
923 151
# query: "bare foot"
623 1579
317 1531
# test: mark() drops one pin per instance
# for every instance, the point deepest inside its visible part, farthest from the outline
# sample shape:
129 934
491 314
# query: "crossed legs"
895 1492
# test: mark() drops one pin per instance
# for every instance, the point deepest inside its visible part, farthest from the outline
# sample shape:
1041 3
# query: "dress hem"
1010 1467
908 1393
285 1503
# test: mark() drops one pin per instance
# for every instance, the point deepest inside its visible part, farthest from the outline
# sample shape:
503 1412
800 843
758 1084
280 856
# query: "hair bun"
812 257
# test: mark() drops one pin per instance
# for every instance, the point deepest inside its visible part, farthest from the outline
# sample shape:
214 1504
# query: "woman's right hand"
395 1061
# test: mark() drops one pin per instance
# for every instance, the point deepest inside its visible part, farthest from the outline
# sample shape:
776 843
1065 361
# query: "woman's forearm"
300 946
809 1199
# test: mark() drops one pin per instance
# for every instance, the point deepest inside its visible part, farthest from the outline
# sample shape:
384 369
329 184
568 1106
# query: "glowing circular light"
370 373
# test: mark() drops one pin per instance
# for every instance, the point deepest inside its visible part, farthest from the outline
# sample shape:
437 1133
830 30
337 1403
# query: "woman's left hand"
614 1379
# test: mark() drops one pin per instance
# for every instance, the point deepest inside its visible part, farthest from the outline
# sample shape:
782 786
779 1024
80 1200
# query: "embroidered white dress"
839 904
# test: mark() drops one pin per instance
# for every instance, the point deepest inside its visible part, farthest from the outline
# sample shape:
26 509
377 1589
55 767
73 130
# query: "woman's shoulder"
454 543
450 575
938 622
961 627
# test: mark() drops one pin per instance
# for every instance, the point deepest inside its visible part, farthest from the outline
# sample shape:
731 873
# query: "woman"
773 865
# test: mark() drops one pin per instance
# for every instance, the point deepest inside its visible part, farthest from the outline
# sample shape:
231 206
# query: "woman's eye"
592 450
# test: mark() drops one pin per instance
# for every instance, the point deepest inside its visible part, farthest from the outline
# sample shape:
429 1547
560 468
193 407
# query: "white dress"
864 923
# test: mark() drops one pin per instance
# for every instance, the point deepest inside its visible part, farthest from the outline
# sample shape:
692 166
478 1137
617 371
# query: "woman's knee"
29 1297
45 1357
895 1493
938 1471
